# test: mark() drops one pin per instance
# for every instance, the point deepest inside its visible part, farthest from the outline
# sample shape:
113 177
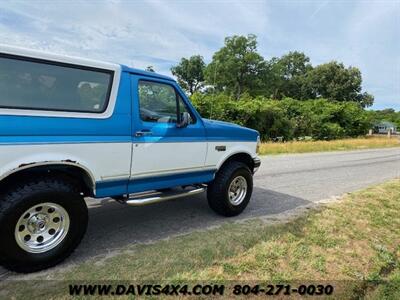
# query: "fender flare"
69 163
236 153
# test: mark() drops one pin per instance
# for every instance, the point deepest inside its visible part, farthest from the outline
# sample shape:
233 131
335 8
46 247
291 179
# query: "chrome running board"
140 201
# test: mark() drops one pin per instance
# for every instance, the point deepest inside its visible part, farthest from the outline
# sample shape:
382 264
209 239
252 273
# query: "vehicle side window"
160 103
37 85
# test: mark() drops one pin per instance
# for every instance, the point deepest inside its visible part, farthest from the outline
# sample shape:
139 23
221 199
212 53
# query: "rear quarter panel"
101 145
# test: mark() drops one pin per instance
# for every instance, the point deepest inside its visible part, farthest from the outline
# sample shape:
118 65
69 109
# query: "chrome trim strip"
115 177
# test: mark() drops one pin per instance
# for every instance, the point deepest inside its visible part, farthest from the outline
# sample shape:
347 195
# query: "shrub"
287 118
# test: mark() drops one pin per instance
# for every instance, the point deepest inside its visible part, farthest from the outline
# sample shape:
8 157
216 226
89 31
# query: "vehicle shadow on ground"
113 226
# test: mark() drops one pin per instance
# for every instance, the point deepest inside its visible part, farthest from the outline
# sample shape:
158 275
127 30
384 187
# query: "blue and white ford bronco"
72 128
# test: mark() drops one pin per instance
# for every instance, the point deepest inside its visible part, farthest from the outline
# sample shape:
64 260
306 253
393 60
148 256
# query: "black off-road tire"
217 191
15 200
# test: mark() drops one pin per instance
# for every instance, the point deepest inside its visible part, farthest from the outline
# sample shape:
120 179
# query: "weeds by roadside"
334 145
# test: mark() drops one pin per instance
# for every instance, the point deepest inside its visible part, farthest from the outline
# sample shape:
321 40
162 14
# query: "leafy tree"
261 94
388 114
150 69
294 64
190 73
365 99
286 76
237 67
336 82
287 118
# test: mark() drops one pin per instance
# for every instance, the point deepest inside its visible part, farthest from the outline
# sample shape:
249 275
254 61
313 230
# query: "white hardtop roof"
57 57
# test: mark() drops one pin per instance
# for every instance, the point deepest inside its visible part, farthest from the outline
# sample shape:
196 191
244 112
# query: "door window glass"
159 103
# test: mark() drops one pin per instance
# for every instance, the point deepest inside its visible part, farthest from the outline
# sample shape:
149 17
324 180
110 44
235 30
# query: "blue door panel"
165 133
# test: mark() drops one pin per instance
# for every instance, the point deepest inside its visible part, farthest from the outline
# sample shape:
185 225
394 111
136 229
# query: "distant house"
385 127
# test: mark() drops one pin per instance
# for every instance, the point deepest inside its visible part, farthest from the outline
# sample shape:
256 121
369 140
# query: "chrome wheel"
42 227
237 190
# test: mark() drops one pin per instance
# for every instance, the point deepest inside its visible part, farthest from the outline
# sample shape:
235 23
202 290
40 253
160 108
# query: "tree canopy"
282 97
190 73
336 82
287 76
237 68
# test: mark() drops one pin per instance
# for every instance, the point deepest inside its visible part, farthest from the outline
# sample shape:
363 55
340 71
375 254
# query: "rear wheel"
230 192
41 223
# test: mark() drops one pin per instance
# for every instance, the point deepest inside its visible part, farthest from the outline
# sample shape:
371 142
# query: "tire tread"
216 192
11 198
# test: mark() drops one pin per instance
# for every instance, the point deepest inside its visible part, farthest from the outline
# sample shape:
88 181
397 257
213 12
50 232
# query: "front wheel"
230 192
41 223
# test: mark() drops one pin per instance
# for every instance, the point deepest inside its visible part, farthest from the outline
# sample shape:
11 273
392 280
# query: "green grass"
334 145
354 240
390 290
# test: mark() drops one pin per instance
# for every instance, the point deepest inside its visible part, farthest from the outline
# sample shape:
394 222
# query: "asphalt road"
282 184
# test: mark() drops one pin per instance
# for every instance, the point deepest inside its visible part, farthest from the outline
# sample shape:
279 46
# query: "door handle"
144 132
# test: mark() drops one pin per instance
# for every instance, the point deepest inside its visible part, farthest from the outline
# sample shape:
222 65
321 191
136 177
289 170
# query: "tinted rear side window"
31 84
